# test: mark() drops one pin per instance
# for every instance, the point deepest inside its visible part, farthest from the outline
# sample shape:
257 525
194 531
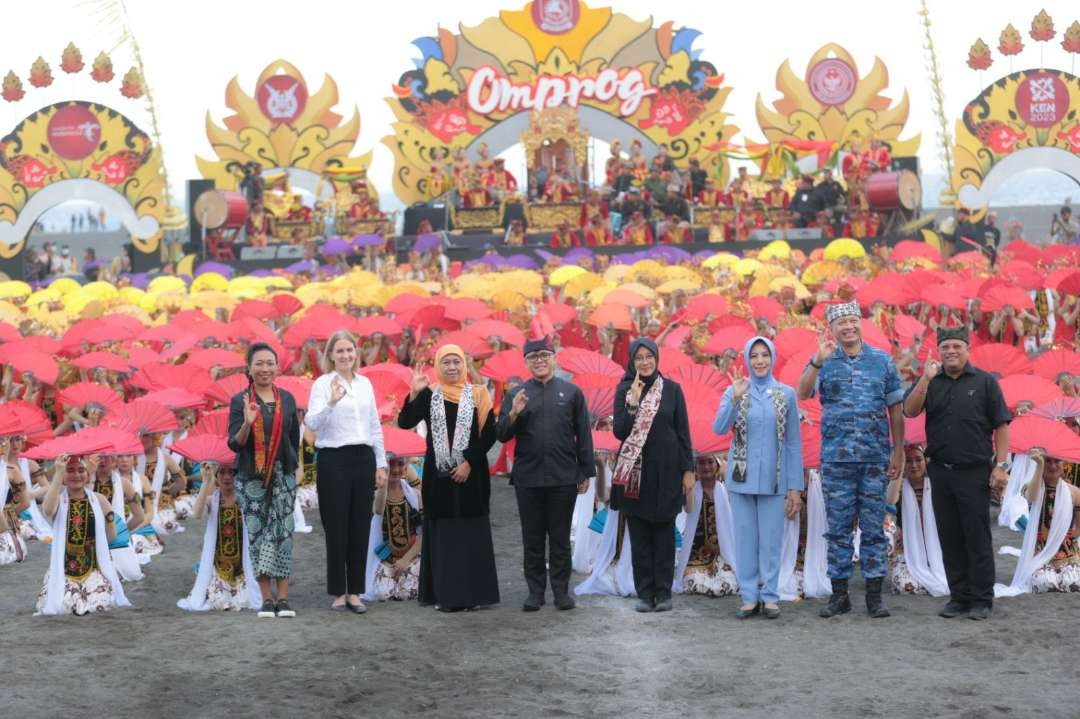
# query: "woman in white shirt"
350 463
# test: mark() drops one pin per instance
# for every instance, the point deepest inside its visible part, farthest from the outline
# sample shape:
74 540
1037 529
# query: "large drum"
894 191
221 209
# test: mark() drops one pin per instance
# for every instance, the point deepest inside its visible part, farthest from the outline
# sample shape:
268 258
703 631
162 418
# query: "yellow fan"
564 274
683 285
821 271
747 266
844 247
166 283
64 285
775 250
13 289
209 281
720 259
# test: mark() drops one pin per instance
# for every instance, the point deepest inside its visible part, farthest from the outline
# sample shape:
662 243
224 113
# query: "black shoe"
643 605
282 609
533 603
771 612
955 609
875 607
357 608
741 613
980 612
663 605
839 602
268 610
565 602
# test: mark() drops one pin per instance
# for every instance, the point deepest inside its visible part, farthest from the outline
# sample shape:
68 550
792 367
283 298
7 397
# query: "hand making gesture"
826 347
419 382
739 383
636 389
337 390
521 400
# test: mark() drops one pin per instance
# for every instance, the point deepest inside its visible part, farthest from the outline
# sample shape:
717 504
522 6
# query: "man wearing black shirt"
674 204
965 229
829 191
967 432
697 178
633 203
553 462
806 203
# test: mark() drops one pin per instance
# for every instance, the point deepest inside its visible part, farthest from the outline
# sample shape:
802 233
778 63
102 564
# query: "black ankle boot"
839 602
875 607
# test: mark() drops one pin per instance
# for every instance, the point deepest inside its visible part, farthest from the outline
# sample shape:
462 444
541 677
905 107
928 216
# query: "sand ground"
602 659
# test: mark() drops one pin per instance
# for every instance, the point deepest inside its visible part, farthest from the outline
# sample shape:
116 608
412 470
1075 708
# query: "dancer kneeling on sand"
144 540
14 499
917 565
81 578
226 577
393 565
703 565
121 495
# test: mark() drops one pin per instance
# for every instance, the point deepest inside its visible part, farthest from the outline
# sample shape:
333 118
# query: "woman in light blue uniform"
764 473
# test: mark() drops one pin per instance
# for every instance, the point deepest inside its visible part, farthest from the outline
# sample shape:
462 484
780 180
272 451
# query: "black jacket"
666 455
290 434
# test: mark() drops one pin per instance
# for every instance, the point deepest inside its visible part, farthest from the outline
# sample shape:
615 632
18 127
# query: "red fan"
105 360
286 304
703 305
600 400
971 258
1064 408
605 442
144 417
731 338
377 325
175 398
505 366
250 329
388 387
139 356
907 249
1021 250
811 446
405 305
222 391
1001 359
702 438
580 361
701 392
767 308
152 377
35 343
298 387
676 337
1022 274
1055 363
432 317
179 347
215 357
256 309
394 368
75 445
998 298
882 289
469 343
590 380
402 442
1026 433
36 364
873 336
616 315
120 442
700 374
24 418
915 429
80 394
792 370
796 341
1066 253
907 328
215 422
558 313
162 333
95 332
1030 388
9 333
725 321
317 327
466 308
672 359
204 448
506 332
810 411
943 295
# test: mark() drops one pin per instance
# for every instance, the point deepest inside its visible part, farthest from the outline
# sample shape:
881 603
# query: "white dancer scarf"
922 547
620 583
124 558
42 528
816 581
375 539
196 601
725 531
1059 527
54 597
1014 505
157 482
584 538
299 520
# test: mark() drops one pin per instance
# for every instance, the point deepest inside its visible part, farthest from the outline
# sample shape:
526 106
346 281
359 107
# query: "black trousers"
345 482
652 552
546 514
962 509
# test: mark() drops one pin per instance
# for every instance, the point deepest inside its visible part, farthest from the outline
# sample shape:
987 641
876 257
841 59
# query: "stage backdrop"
79 150
627 79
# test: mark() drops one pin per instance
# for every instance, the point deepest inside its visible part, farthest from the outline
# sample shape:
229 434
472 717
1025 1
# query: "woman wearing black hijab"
653 472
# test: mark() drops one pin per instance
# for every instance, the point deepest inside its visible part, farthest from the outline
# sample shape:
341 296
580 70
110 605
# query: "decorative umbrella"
579 361
564 274
795 341
1070 284
672 358
1001 359
626 298
873 336
1022 274
80 394
943 295
1021 250
702 438
590 380
218 267
286 304
522 262
766 307
309 266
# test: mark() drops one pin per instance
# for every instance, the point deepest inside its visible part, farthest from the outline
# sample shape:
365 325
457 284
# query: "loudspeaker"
194 189
436 215
804 233
766 235
258 253
290 252
905 163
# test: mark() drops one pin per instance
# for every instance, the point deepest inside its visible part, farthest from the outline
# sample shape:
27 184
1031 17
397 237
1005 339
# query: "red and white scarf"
628 466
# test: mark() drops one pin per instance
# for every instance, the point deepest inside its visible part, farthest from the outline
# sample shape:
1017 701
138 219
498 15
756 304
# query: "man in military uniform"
861 401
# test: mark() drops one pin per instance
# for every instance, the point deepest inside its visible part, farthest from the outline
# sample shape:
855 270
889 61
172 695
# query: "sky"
192 49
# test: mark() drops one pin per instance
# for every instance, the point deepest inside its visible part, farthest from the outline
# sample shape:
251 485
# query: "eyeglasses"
539 357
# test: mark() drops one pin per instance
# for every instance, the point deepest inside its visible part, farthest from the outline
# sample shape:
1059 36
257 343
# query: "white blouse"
353 420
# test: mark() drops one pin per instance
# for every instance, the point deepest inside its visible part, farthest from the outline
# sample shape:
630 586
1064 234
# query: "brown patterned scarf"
628 467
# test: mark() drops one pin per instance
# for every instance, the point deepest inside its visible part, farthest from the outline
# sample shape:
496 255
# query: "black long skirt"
457 563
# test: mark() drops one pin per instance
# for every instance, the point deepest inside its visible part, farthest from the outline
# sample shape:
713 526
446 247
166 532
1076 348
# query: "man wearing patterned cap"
861 400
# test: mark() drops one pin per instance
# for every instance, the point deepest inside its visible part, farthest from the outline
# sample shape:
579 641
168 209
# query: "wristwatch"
1006 465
